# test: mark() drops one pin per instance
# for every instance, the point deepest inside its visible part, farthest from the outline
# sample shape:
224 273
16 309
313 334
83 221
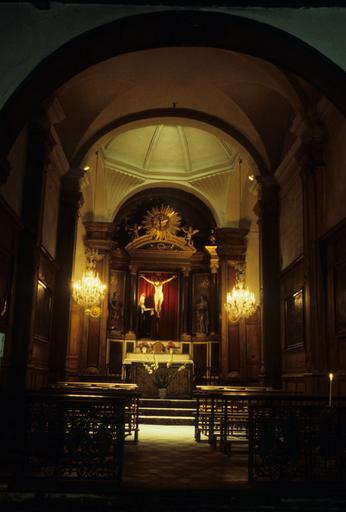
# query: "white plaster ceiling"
169 152
251 95
182 157
255 98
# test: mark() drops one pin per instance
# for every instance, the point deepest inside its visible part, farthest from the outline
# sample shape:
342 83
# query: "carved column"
185 302
131 334
40 144
99 236
231 249
268 220
316 353
71 199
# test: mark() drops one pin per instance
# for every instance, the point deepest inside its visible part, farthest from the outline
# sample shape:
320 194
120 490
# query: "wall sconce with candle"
331 378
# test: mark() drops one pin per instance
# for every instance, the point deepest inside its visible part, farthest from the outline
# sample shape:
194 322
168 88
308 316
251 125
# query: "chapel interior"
175 174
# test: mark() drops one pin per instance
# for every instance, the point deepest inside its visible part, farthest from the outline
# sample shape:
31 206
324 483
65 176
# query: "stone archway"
167 29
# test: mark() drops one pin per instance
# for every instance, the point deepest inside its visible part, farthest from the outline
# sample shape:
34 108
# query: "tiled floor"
169 457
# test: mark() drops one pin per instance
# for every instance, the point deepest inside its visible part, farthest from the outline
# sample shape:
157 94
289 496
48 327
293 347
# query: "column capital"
214 258
72 180
231 243
266 184
186 270
133 270
310 157
269 197
99 235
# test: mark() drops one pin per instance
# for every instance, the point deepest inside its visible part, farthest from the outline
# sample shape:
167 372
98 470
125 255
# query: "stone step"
167 403
166 420
166 411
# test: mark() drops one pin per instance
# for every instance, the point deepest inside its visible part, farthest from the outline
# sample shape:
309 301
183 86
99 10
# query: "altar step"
156 411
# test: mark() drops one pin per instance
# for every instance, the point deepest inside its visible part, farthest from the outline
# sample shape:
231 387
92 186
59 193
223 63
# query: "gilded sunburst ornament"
161 223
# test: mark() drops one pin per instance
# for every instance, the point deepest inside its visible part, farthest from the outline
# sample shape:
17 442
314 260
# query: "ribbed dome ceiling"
169 151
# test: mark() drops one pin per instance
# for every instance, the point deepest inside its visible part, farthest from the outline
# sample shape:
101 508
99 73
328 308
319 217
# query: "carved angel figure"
189 233
212 237
135 230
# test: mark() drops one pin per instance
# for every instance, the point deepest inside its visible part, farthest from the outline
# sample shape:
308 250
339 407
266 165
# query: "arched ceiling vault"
247 93
170 156
179 118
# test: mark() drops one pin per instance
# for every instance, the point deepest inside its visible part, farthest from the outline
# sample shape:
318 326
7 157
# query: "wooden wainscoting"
293 349
334 246
9 232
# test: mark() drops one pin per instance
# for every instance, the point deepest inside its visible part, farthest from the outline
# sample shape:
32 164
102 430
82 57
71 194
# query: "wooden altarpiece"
189 305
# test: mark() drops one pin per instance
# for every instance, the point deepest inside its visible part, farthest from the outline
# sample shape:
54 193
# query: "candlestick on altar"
331 378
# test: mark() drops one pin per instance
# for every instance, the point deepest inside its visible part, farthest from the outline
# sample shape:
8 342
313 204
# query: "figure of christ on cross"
158 295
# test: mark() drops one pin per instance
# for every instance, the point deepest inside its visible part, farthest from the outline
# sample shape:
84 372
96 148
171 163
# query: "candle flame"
331 376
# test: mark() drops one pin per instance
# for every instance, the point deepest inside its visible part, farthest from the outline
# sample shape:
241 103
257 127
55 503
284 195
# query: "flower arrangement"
162 375
170 346
144 346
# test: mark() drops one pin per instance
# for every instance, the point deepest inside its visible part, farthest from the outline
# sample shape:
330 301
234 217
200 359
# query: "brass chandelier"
89 291
240 302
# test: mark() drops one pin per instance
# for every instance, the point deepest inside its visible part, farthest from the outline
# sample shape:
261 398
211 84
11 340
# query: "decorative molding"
214 258
231 243
292 265
289 165
55 111
99 235
172 244
119 184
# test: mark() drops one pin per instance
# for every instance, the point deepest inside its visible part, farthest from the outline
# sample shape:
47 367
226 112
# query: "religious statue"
189 232
143 320
134 230
158 296
115 312
212 237
202 316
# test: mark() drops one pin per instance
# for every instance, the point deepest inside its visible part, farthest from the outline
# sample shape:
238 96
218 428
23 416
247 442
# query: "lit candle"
331 377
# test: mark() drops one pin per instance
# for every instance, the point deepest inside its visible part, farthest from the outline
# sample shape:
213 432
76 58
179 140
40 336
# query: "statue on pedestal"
115 313
202 316
143 319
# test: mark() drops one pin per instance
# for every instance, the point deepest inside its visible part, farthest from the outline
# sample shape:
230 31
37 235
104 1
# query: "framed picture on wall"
340 299
42 311
294 319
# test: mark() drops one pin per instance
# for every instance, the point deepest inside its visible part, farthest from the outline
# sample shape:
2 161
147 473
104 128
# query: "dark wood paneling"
74 353
215 354
335 251
291 281
93 342
233 348
252 334
115 357
200 359
38 355
9 232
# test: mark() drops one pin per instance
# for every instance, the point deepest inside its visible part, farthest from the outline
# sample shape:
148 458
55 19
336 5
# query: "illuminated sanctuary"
173 246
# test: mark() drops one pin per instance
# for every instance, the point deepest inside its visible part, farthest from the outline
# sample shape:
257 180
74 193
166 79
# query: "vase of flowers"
162 375
171 347
162 392
144 347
